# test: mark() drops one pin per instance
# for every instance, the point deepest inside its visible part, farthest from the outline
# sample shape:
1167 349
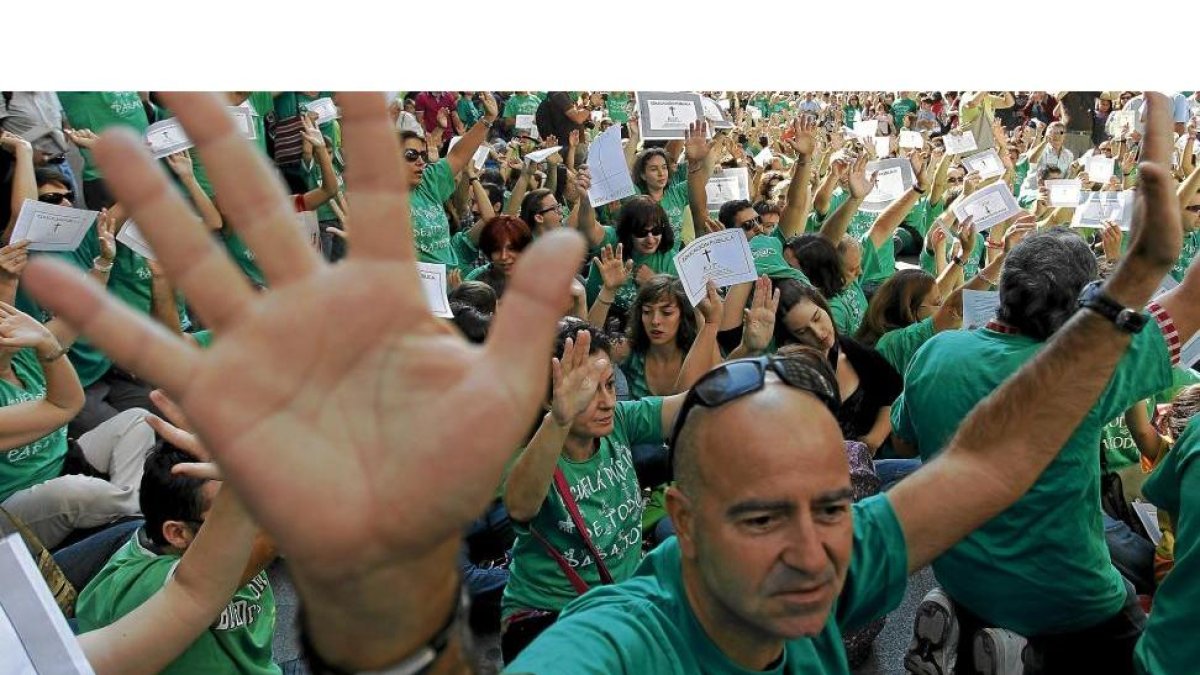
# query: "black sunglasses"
56 197
752 223
412 156
742 377
1192 208
657 231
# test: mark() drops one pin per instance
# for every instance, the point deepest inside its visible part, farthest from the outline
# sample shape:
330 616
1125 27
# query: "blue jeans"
891 471
1132 555
82 560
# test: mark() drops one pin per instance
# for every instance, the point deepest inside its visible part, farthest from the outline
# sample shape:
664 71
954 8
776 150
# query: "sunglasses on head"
411 156
56 197
742 377
656 231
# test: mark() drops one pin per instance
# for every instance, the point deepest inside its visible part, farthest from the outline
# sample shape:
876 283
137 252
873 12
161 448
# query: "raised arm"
25 422
181 166
24 186
1010 437
704 353
795 214
698 148
464 150
835 226
586 222
614 271
885 225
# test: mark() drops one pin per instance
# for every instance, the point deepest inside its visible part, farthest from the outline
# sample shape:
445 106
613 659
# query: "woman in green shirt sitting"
904 313
814 255
502 240
646 238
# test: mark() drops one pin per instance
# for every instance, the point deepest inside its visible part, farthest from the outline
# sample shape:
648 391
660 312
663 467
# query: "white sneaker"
998 651
934 647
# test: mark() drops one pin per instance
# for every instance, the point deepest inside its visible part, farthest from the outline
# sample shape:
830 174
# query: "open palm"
345 415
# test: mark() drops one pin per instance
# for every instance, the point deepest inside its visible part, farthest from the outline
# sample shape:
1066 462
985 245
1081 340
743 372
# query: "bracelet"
957 260
55 356
607 301
484 121
99 266
418 663
917 189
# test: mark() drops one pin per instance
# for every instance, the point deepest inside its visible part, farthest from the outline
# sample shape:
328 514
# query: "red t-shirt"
430 103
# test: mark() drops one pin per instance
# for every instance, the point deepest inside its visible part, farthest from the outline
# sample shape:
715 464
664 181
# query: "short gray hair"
1042 278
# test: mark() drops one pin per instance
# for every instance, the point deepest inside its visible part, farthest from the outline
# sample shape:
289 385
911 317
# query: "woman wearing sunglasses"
644 232
653 177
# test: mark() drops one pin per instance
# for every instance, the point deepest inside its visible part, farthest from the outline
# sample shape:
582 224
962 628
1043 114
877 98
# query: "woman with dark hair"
501 240
904 313
644 232
663 330
820 261
653 177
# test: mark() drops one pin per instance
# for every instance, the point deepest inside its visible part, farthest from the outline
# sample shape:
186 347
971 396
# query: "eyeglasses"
56 197
1192 208
752 223
742 377
548 209
656 231
411 156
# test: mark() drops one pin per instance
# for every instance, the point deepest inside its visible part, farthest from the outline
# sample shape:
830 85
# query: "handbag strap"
577 581
564 491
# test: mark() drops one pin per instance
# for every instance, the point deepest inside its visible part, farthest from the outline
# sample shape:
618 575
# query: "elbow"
519 512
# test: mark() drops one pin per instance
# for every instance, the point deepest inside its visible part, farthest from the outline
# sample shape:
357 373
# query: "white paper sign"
481 153
1104 206
325 109
764 157
539 156
979 307
960 144
1064 192
755 113
166 138
526 123
34 636
713 113
892 178
883 146
243 116
597 115
51 227
1099 168
987 163
1189 355
132 237
433 283
722 257
310 228
1147 513
726 186
911 139
610 174
867 129
667 115
990 206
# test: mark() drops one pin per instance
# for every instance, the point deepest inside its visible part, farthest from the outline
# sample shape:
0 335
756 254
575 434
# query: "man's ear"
683 517
178 533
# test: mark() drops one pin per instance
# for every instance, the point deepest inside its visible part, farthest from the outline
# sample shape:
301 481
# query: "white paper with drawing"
892 178
990 206
987 163
166 138
667 115
325 109
979 307
911 139
50 227
610 175
539 156
726 186
1100 168
1104 206
131 235
34 636
1064 192
722 257
960 144
433 284
527 123
243 116
713 113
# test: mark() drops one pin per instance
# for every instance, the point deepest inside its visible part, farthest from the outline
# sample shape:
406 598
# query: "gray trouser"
1078 142
117 447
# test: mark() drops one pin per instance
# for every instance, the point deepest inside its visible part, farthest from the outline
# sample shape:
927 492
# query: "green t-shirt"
1042 565
675 203
971 265
467 111
860 222
99 110
238 641
131 280
848 308
1169 644
647 624
900 346
312 181
635 373
37 461
767 250
605 487
617 105
922 215
1117 443
431 226
521 104
1191 246
660 263
900 108
878 264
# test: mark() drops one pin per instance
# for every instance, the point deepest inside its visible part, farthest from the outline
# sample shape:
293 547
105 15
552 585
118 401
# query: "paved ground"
887 659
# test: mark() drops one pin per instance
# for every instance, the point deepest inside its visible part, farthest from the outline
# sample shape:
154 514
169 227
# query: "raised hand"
106 229
614 271
1111 238
341 419
84 138
13 258
19 330
180 163
696 143
713 305
490 110
860 185
758 320
803 140
575 378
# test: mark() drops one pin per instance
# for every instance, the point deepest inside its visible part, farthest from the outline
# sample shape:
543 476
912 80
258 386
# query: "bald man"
772 561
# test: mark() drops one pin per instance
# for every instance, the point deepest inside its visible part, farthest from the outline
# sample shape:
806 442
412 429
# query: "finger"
137 343
179 438
774 306
201 470
194 261
523 330
170 409
246 188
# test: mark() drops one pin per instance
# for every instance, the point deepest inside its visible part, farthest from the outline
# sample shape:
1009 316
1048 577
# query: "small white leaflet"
960 144
52 227
892 177
310 228
433 284
1065 192
755 113
722 257
727 185
990 206
539 156
667 115
714 114
883 146
325 108
34 636
911 139
987 163
1099 207
610 174
481 153
1168 283
243 116
597 115
1100 168
764 157
979 307
166 138
132 237
867 129
1189 354
526 123
1147 513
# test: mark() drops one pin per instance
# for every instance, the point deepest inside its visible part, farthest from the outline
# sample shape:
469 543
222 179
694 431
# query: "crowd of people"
581 460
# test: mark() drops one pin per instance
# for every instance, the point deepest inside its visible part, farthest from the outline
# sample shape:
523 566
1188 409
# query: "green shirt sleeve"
899 346
878 574
640 421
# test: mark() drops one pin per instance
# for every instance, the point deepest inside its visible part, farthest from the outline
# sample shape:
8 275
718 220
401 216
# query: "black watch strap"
1093 297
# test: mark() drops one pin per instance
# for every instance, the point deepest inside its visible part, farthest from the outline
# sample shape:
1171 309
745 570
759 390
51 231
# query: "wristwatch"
1092 297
